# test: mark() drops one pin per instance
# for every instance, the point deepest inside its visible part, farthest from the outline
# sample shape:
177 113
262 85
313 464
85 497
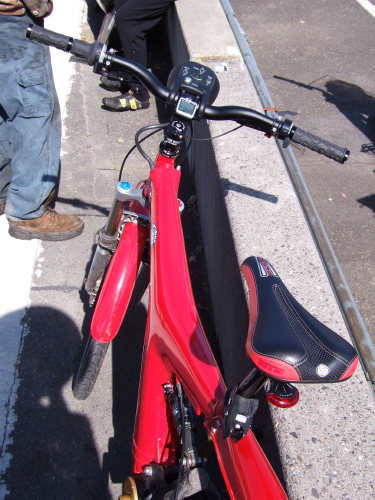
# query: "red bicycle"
181 385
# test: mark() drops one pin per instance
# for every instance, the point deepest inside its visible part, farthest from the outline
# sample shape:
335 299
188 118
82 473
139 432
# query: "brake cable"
138 142
216 136
158 128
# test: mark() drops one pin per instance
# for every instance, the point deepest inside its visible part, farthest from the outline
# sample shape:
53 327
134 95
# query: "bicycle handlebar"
319 145
95 53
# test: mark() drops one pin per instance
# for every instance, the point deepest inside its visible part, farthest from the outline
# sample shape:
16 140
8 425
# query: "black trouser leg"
134 19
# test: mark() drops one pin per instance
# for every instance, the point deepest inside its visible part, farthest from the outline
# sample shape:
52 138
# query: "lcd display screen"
186 107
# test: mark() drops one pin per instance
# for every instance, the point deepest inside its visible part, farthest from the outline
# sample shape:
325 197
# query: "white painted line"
17 257
367 6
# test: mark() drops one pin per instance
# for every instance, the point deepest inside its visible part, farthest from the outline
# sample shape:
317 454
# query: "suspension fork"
126 234
110 233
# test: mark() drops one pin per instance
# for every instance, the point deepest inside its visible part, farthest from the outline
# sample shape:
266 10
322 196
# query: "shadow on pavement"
368 201
53 449
351 100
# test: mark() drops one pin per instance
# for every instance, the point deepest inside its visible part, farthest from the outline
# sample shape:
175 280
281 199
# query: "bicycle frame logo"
265 268
154 234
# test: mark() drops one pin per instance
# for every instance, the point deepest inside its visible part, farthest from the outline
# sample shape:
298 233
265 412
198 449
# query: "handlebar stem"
174 136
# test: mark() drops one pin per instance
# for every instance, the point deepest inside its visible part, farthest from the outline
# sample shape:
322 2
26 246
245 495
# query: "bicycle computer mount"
193 87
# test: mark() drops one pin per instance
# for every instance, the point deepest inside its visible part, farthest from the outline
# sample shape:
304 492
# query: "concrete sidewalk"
20 261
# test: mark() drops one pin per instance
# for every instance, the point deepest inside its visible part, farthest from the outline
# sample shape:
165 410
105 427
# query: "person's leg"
32 129
7 84
5 163
134 19
31 135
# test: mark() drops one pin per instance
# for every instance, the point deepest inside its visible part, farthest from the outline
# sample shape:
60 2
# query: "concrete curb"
247 207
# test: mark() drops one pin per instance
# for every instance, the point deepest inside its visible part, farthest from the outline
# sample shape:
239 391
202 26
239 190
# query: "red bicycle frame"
176 350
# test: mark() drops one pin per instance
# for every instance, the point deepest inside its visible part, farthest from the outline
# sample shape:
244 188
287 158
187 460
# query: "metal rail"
353 319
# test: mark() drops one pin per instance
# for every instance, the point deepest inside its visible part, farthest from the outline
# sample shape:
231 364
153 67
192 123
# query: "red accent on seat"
351 369
253 304
274 367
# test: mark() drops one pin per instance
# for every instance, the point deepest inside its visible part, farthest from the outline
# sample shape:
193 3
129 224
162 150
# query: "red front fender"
118 283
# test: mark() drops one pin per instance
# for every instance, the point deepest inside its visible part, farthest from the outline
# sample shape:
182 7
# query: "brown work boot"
51 226
49 198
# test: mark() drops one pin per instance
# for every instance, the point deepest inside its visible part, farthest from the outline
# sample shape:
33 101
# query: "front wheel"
94 352
89 367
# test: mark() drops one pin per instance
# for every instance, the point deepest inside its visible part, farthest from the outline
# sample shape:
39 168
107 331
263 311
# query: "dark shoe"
2 207
125 102
51 226
110 84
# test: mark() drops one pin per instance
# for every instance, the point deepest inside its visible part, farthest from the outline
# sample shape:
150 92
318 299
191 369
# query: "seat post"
251 384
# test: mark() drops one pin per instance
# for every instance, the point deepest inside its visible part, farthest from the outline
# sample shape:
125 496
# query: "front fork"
110 233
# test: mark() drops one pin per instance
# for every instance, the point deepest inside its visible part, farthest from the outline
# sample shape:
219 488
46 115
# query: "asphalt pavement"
55 446
314 60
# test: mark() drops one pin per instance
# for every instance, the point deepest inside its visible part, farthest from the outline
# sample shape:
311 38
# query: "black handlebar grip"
81 49
41 35
88 51
320 145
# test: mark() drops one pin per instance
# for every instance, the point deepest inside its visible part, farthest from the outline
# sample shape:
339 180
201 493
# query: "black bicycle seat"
284 340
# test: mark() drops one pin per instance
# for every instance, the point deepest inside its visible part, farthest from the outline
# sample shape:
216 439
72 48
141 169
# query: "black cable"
124 161
191 138
181 158
159 127
216 136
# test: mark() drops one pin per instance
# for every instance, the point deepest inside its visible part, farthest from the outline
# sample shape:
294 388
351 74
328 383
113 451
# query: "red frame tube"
176 349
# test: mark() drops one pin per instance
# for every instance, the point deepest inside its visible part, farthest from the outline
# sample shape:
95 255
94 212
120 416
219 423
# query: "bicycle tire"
94 352
141 284
89 368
